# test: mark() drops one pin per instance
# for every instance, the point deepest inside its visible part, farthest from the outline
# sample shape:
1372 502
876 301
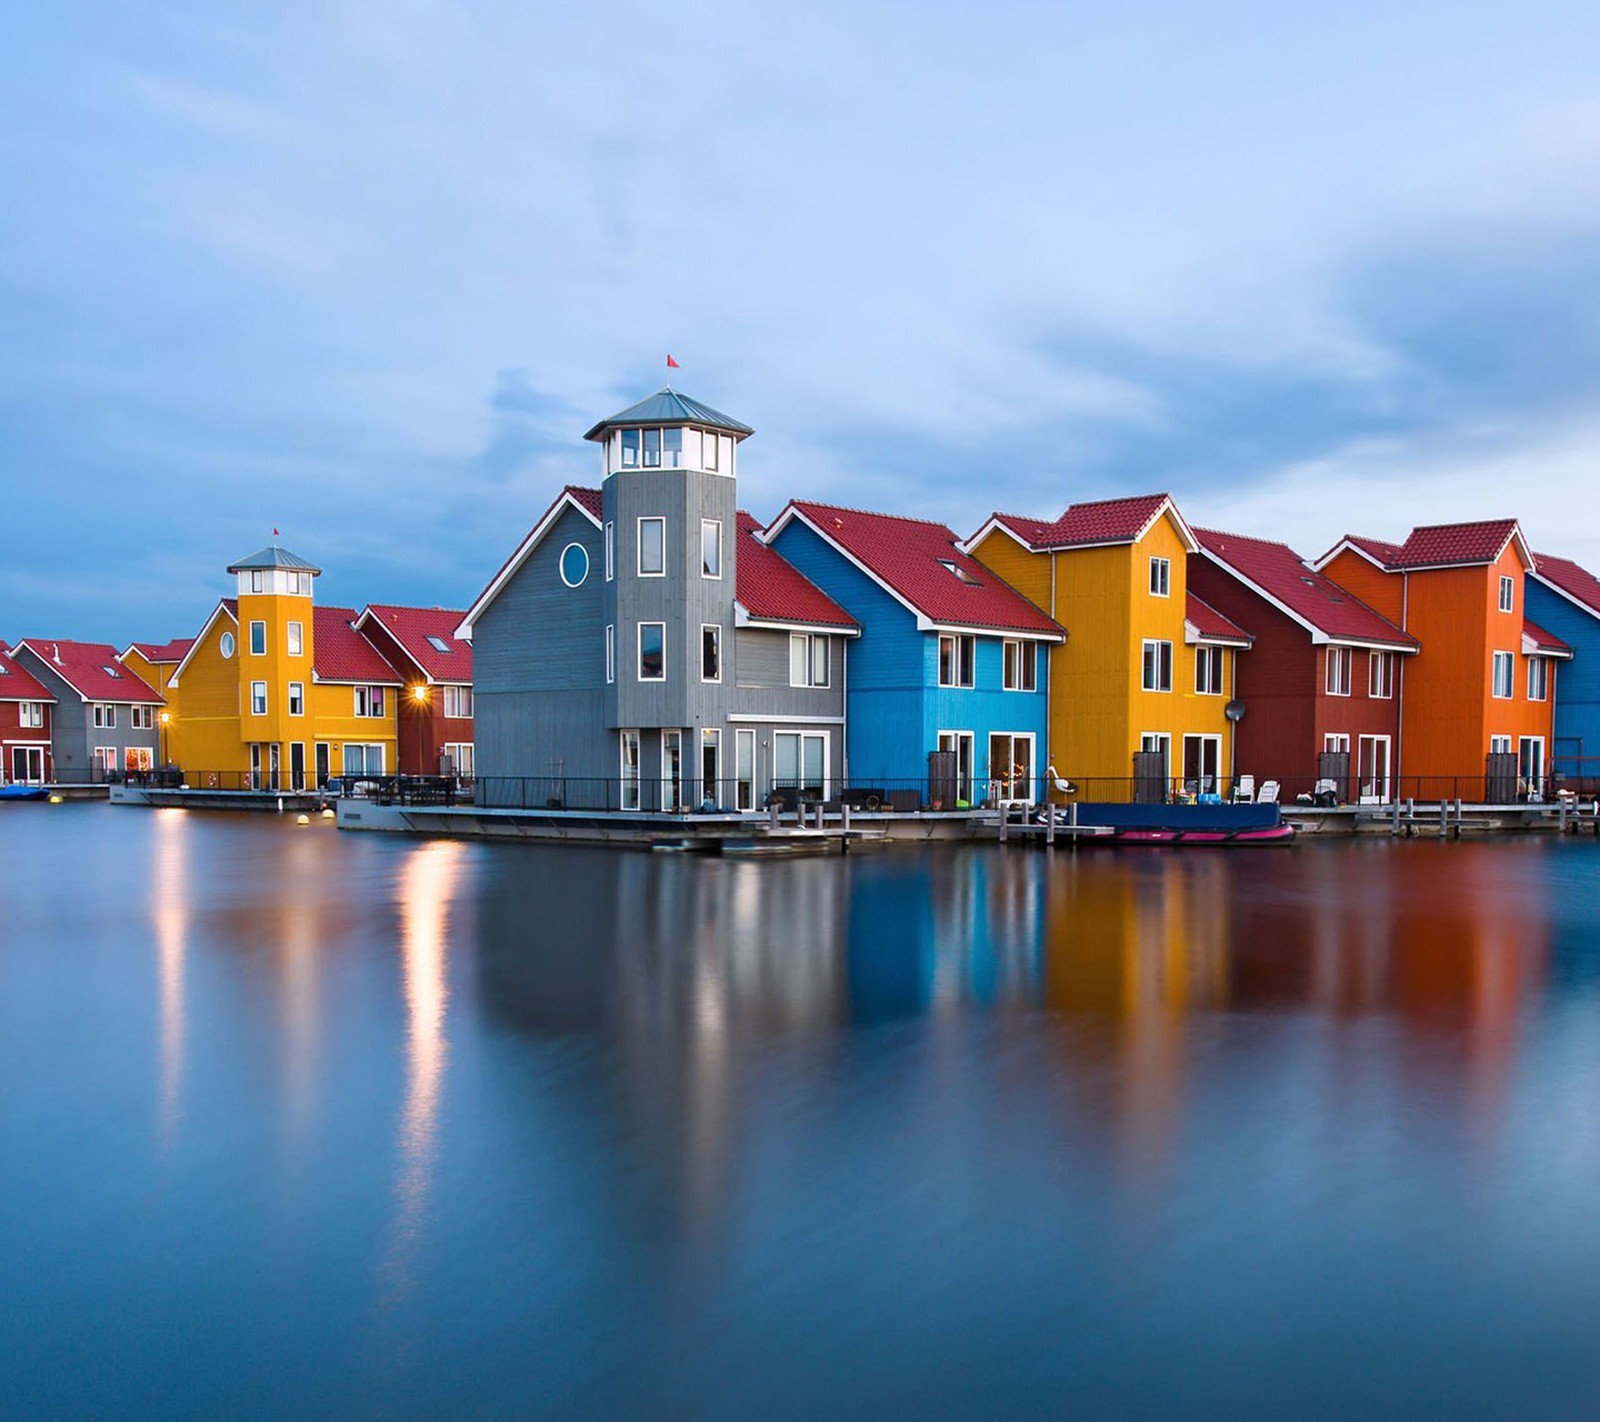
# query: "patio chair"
1269 793
1244 790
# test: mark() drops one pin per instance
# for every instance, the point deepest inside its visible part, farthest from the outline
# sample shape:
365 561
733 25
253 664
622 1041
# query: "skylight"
109 671
957 571
438 643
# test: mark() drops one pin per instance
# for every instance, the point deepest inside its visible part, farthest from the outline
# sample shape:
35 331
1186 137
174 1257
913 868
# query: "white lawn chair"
1269 793
1244 790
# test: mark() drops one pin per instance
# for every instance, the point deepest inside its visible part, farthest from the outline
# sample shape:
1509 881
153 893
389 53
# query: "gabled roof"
92 670
160 654
17 683
585 501
924 567
1092 525
668 407
1206 624
1574 582
273 556
771 589
1277 573
340 653
411 627
1438 545
1536 642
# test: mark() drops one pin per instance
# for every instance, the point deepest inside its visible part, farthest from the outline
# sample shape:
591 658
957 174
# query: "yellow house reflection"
169 913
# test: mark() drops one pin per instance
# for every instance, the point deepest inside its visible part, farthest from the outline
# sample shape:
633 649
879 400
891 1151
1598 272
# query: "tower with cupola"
275 591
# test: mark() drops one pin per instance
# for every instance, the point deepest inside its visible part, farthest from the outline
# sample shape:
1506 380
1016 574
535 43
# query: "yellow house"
155 664
277 692
1147 669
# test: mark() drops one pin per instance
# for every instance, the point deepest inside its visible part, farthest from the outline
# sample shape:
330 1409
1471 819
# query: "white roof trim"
1531 648
517 559
1319 638
222 606
742 617
1166 508
1560 591
1194 637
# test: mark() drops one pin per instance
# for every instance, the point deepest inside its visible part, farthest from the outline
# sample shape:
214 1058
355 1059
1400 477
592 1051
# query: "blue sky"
366 271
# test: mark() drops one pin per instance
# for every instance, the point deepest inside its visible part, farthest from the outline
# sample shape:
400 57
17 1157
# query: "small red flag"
672 364
274 533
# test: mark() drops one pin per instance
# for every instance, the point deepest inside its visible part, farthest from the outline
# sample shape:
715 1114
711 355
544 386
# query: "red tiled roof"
1544 643
83 665
1082 525
1279 572
17 683
590 499
909 556
160 653
1441 545
340 653
1208 622
1384 554
1575 581
412 626
772 589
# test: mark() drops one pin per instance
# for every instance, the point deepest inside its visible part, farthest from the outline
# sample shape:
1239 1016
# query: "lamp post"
166 719
419 698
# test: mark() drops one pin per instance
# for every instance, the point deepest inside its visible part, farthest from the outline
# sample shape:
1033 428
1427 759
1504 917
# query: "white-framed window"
297 698
800 762
652 651
462 758
573 565
962 745
296 639
256 580
363 759
105 716
1011 767
708 458
611 653
31 715
1530 766
630 449
258 639
226 645
1538 679
1160 577
629 746
1208 671
808 659
1508 594
652 547
1340 660
1372 769
1158 743
1504 687
258 698
744 763
142 718
458 702
1020 666
1380 676
439 644
711 548
611 550
958 659
1499 745
300 584
1157 671
672 771
1336 743
104 758
369 700
710 652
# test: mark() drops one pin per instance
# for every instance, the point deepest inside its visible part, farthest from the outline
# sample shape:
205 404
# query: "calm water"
295 1123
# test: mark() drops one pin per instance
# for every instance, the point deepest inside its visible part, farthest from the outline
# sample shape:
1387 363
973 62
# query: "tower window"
652 547
652 449
630 448
258 639
709 445
710 548
297 639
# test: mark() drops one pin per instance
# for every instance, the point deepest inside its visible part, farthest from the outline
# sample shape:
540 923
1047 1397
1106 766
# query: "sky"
366 271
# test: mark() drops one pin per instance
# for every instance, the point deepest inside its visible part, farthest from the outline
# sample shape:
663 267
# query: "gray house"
643 649
105 720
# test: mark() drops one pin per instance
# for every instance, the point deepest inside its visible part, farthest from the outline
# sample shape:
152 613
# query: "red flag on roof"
274 533
672 364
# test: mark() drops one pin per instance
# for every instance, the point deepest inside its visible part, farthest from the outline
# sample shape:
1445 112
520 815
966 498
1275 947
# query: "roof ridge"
413 607
872 513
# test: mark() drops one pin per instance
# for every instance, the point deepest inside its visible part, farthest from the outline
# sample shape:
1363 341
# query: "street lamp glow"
419 693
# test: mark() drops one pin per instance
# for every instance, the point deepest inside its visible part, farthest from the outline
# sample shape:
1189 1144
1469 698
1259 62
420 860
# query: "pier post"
1394 831
1444 818
1049 825
1003 818
1458 817
772 816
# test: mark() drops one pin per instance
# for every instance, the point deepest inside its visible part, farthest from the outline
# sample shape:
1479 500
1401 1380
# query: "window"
611 653
574 565
32 715
630 769
1503 686
1020 670
297 639
258 698
960 745
1499 745
255 580
362 759
1336 744
808 660
744 764
137 758
652 449
1380 676
105 717
1160 577
258 639
142 718
1208 671
709 445
458 703
226 645
297 698
1338 675
1508 594
652 547
369 701
1157 666
958 657
440 645
652 651
611 551
1011 767
1538 679
630 449
800 762
710 652
302 584
710 548
104 758
110 672
461 758
672 771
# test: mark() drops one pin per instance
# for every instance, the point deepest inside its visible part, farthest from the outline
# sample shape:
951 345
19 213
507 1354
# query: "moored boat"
23 792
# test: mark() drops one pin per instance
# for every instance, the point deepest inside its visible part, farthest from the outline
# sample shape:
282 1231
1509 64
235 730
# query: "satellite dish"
1234 710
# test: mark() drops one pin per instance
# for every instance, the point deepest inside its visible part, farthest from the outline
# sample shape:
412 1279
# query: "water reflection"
170 898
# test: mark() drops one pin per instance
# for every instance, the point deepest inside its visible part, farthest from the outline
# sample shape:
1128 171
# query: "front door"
672 771
322 765
1530 766
1202 763
959 743
1011 768
710 768
1372 769
255 766
274 764
27 765
297 765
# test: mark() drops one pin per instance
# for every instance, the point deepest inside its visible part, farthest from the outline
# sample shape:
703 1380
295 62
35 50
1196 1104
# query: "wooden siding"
1575 685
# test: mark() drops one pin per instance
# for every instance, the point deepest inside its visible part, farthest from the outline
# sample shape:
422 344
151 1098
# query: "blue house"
950 657
1564 599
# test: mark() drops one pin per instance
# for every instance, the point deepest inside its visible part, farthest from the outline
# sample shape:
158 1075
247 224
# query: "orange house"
1484 683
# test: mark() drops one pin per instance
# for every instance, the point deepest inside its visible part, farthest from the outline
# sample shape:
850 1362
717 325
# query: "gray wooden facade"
73 735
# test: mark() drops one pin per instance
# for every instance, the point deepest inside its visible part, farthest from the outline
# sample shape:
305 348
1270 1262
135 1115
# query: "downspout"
844 730
1050 691
1400 687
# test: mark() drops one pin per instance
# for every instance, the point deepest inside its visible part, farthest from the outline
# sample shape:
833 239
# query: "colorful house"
105 721
1319 691
1478 698
154 663
1140 690
26 707
643 650
278 692
435 706
1565 598
951 657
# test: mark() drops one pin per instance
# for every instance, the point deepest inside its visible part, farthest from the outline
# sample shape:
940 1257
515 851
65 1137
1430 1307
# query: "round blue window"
574 564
